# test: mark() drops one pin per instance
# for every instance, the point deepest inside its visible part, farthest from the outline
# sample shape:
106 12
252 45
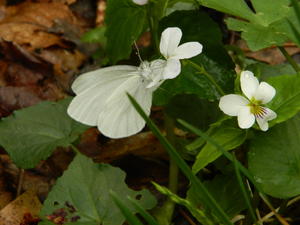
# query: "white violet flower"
247 110
170 39
101 98
140 2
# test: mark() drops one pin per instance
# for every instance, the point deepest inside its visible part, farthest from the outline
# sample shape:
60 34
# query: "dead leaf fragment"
12 98
143 145
28 24
28 34
270 55
5 198
14 212
42 13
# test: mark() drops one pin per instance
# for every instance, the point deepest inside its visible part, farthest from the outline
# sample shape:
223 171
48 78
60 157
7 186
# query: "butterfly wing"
104 75
94 88
119 118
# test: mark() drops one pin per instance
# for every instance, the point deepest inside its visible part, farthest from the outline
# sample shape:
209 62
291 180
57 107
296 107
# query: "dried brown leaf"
14 212
28 34
12 98
42 14
270 55
5 198
143 145
29 23
65 63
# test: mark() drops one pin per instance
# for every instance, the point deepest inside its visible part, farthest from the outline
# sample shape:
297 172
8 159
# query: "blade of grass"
198 213
296 8
244 190
148 218
210 201
289 58
130 217
295 31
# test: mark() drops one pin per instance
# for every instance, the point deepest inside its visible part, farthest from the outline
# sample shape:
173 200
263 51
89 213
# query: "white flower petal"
140 2
119 118
91 100
187 50
263 119
245 118
170 39
264 93
172 69
101 76
249 84
231 104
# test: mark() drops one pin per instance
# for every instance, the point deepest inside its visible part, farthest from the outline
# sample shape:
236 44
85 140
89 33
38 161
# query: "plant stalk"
165 215
153 28
289 59
208 76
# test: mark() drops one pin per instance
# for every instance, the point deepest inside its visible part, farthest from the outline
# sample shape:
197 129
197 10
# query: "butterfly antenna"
163 89
138 52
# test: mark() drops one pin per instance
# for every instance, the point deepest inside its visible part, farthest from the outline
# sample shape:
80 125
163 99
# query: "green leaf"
274 159
233 7
174 5
258 36
86 186
194 210
293 24
95 36
125 21
264 71
227 136
214 59
265 27
33 133
268 11
286 102
225 189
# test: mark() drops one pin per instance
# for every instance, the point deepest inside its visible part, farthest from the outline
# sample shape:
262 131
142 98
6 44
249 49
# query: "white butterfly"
101 98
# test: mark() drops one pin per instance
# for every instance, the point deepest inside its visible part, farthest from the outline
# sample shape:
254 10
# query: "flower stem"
74 148
164 8
153 28
289 59
173 168
208 76
165 213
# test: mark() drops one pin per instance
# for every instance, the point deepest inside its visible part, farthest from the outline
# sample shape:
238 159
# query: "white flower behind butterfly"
140 2
173 52
250 109
101 98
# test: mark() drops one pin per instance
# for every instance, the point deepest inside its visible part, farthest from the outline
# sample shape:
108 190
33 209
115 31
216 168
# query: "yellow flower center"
256 109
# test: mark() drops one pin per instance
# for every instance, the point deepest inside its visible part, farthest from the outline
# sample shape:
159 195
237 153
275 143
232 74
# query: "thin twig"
271 214
208 76
278 216
20 181
189 219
